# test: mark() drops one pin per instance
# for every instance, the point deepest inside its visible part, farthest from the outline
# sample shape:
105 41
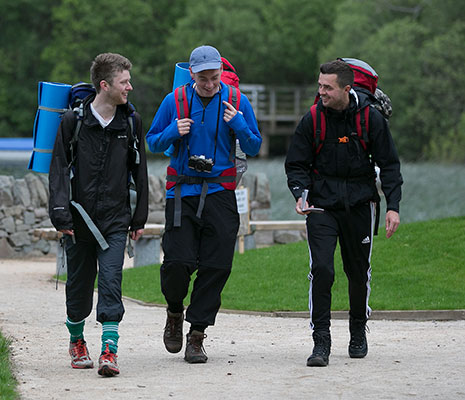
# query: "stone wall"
24 207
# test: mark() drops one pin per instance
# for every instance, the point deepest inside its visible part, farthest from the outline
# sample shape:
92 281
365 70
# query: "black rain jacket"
342 175
103 161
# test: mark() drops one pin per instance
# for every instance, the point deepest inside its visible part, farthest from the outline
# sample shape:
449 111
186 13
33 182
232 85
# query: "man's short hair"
105 66
345 74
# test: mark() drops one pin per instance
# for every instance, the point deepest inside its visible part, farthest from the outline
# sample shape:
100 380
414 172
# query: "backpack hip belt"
227 181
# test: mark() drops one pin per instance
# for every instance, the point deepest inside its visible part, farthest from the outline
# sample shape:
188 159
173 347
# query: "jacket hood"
361 97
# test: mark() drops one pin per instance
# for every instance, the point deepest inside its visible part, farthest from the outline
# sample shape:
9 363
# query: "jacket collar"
119 122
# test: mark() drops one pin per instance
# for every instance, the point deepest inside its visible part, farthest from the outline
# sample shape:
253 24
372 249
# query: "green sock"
76 330
110 336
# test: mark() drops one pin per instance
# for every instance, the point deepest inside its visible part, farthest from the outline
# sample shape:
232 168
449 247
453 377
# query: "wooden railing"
278 109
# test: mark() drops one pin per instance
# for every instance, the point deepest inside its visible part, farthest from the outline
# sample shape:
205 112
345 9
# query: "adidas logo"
366 240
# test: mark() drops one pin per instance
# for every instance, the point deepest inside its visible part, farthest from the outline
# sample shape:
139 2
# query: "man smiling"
201 212
95 219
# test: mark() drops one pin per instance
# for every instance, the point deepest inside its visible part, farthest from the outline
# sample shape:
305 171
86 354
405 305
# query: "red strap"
238 95
367 118
176 101
358 124
229 172
322 126
170 171
235 101
184 112
184 102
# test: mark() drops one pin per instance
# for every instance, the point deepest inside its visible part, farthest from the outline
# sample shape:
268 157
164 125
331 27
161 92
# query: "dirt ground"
250 356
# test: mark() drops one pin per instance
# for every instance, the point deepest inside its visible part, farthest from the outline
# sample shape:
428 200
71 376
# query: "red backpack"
366 81
229 75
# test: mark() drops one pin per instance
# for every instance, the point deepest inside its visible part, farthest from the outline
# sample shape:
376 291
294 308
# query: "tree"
24 29
84 28
269 41
416 46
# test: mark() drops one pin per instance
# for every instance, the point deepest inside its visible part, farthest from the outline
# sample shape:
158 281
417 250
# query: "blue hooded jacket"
201 140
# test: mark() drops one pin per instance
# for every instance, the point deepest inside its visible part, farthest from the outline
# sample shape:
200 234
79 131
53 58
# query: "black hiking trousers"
354 229
205 245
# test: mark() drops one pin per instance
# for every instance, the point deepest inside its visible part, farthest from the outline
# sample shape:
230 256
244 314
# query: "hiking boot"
107 365
195 353
358 346
321 350
80 355
172 337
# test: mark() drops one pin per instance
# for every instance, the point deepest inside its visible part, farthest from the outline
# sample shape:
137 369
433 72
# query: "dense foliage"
416 46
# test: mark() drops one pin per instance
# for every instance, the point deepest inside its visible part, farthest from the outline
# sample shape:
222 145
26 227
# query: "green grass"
421 267
7 382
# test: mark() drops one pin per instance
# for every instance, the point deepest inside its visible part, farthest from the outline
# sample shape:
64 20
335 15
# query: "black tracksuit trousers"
354 230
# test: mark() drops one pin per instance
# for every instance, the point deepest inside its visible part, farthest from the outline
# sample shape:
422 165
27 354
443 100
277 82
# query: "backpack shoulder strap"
234 97
362 125
79 113
182 109
134 140
319 127
180 98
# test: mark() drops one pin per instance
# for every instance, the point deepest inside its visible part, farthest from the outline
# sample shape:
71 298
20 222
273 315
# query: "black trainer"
321 350
195 353
172 337
358 346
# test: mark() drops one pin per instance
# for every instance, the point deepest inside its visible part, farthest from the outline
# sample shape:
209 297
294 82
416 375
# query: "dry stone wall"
24 208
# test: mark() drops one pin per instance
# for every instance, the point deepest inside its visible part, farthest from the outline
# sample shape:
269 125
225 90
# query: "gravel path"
250 357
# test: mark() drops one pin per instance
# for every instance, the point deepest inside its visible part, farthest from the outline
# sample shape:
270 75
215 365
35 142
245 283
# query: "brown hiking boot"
195 353
172 337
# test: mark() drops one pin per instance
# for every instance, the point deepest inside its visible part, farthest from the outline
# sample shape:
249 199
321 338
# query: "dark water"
430 191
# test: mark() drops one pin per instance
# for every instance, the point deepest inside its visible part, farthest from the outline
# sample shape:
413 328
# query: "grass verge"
420 268
8 383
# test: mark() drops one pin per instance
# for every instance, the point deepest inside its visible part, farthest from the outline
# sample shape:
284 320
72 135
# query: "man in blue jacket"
201 211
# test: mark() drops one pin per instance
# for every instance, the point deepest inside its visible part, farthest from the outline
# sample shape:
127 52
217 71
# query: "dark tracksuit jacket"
341 179
103 160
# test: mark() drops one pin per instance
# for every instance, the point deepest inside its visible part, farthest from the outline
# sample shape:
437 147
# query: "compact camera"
200 163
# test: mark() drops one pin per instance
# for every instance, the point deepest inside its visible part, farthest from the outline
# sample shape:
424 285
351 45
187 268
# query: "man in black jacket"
96 217
338 172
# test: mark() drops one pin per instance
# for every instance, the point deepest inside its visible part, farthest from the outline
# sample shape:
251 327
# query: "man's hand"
184 126
69 232
134 235
229 111
392 222
299 206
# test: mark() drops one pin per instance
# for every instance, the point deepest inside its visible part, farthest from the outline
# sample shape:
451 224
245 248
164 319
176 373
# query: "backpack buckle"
343 139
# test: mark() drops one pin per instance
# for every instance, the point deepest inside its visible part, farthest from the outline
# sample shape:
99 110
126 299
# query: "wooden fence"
278 109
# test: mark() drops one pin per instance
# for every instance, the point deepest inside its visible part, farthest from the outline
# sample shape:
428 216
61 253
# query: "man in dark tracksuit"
107 153
340 179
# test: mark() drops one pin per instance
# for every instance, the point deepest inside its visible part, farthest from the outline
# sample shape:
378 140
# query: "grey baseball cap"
203 58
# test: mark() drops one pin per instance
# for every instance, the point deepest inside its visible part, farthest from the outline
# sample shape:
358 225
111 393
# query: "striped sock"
110 336
76 330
